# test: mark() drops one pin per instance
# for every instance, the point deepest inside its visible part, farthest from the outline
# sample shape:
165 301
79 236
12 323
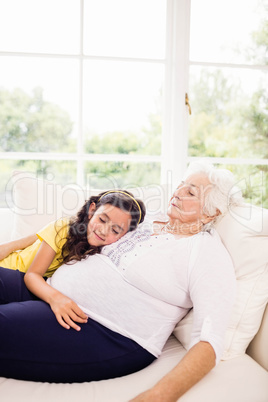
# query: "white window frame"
224 160
175 137
174 156
174 145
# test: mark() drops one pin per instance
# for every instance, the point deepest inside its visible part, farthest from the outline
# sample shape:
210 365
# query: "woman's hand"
67 312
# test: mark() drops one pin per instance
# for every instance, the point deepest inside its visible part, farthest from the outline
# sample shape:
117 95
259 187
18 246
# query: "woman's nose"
179 192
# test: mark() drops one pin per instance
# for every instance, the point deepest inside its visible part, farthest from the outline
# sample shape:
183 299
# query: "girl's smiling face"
107 225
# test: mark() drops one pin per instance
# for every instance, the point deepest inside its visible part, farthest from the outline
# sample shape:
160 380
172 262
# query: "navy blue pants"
35 347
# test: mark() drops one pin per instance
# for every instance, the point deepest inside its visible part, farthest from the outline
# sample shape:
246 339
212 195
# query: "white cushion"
6 219
37 202
244 232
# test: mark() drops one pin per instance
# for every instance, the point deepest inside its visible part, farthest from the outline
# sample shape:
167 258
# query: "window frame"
174 153
80 157
225 160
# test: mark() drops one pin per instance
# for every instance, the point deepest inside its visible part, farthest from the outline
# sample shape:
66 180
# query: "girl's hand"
67 311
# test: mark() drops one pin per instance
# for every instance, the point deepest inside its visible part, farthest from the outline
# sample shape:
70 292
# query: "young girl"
102 220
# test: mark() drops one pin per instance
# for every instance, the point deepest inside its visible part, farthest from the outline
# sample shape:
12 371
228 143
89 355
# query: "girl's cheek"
112 238
93 225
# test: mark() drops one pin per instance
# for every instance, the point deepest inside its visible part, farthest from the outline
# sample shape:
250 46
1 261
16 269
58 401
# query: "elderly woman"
134 293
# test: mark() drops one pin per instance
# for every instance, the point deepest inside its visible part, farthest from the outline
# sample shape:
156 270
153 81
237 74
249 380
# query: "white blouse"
142 286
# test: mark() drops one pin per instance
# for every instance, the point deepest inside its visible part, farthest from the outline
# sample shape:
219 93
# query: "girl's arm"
20 244
65 309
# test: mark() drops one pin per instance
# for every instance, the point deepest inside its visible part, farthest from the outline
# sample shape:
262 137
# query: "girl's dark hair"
76 247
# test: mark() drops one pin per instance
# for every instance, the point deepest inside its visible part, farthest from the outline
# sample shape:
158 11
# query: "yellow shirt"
54 234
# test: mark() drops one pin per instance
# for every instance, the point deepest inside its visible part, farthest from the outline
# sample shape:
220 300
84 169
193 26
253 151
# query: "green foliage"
103 175
256 118
216 102
113 143
146 142
30 124
152 135
228 123
260 39
125 174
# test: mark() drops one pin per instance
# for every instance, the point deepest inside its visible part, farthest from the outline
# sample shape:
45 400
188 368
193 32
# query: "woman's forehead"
197 180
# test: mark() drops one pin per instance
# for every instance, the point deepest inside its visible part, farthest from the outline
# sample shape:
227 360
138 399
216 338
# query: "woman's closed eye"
116 232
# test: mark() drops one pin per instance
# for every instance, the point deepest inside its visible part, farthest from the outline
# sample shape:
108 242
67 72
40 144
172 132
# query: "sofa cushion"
244 232
36 202
222 384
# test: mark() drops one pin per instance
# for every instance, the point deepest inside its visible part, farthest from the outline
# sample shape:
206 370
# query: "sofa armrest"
258 348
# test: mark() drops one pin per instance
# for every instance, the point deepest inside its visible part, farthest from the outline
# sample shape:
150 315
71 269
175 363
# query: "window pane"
227 31
229 113
126 28
39 104
111 175
253 181
41 26
61 172
122 107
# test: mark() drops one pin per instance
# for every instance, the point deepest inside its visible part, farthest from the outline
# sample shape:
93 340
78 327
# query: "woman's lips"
174 205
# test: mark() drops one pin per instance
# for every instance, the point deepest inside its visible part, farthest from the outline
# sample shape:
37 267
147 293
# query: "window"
82 90
228 90
93 92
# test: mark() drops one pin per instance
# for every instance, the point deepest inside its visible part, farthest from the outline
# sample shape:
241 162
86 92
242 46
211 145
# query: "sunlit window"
228 87
82 82
93 92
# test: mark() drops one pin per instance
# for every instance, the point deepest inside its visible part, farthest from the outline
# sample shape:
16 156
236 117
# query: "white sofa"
241 377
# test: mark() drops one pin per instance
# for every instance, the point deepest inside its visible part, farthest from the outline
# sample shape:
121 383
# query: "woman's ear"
91 210
206 219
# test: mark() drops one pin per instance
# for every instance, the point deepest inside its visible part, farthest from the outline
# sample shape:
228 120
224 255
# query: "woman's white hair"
223 194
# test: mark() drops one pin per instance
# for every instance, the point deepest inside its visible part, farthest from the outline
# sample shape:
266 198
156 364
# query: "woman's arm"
212 291
20 244
65 309
197 362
